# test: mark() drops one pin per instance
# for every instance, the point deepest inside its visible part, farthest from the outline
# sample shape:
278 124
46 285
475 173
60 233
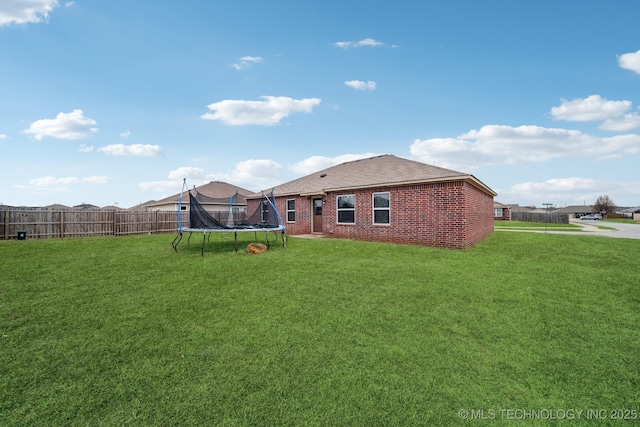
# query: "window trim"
339 209
495 210
374 208
290 211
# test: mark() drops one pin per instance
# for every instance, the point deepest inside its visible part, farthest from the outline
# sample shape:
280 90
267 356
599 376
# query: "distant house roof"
635 209
380 171
499 205
575 209
517 208
212 192
57 206
86 206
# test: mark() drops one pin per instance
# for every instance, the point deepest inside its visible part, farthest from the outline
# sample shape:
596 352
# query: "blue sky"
114 102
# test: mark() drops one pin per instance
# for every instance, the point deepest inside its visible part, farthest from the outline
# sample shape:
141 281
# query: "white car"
592 217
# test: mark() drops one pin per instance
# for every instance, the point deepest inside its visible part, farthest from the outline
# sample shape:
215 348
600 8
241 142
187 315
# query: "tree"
604 205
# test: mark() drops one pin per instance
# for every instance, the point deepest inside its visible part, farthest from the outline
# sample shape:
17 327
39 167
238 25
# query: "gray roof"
380 171
212 190
575 209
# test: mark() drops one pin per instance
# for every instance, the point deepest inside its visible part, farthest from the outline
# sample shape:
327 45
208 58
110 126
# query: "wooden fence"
551 218
43 223
59 223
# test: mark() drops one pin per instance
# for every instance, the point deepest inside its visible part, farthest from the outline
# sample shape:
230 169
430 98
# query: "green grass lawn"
526 225
125 331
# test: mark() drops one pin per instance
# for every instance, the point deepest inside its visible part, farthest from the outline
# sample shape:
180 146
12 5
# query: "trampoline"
264 219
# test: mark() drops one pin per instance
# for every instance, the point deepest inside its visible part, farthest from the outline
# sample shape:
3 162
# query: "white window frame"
291 211
374 208
496 210
339 209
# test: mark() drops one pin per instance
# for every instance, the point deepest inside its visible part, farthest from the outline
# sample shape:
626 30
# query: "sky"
116 102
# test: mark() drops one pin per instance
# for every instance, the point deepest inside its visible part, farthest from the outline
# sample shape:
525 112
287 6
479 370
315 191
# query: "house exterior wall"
504 214
449 215
302 223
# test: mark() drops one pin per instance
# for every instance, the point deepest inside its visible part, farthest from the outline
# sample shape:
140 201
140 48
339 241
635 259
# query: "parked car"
592 217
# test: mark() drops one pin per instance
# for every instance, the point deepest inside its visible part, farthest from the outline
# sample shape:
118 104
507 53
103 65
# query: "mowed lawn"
125 331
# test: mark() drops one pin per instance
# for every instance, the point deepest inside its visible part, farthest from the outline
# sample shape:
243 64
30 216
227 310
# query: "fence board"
42 223
551 218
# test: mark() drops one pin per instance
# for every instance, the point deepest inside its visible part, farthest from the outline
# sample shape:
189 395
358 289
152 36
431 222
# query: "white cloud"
622 124
362 43
270 111
138 150
592 108
3 136
85 148
252 174
494 144
50 181
630 61
125 134
188 172
570 191
247 61
360 85
25 11
71 126
316 163
51 184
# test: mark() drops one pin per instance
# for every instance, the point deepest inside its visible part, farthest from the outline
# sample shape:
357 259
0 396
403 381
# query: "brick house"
388 199
500 212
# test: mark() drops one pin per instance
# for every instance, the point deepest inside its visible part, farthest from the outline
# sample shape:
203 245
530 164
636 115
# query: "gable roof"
212 192
380 171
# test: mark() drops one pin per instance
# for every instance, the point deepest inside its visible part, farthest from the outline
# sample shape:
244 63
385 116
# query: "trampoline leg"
176 241
235 233
204 239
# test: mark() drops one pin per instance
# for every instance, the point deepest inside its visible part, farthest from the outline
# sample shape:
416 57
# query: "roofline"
467 178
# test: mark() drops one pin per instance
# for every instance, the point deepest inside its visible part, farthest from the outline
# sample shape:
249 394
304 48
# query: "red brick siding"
302 224
478 215
449 215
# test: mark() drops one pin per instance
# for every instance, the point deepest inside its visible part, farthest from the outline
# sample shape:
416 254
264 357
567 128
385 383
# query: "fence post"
62 224
6 224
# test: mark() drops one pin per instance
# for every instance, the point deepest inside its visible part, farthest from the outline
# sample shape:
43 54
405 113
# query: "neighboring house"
633 212
86 206
500 211
575 211
215 197
57 206
516 208
388 199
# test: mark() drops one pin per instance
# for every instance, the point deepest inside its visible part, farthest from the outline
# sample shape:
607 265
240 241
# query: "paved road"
623 231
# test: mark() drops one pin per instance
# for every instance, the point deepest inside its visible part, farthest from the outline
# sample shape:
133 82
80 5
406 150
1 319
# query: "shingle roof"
384 170
575 209
212 190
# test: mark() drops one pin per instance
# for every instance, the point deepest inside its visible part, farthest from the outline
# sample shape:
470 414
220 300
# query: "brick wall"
302 223
449 215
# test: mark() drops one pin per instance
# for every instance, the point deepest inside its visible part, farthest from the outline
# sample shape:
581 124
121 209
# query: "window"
497 212
381 208
347 209
291 210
